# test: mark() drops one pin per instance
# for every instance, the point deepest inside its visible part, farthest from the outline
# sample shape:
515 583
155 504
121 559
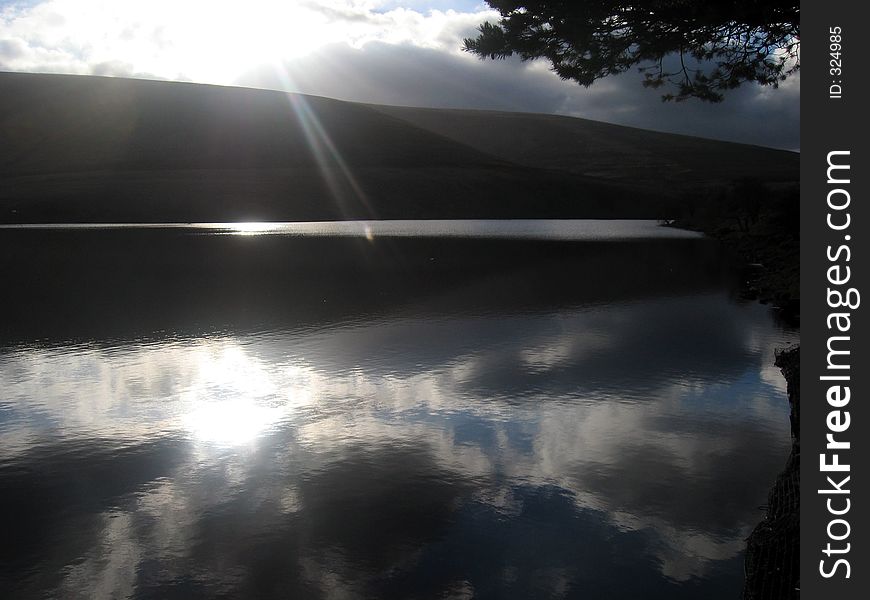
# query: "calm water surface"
382 415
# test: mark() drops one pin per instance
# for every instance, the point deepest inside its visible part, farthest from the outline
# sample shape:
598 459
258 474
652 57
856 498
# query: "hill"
656 161
93 149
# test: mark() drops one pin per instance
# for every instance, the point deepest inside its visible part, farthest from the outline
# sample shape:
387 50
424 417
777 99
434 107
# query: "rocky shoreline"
773 548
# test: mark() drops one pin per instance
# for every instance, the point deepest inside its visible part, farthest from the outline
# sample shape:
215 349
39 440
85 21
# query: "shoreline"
773 548
758 224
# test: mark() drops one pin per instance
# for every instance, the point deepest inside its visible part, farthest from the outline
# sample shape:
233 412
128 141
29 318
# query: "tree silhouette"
700 47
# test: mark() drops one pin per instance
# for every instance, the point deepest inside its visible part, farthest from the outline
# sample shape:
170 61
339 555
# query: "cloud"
408 75
405 53
12 49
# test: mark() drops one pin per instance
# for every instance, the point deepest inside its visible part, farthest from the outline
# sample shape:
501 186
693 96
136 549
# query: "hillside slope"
655 160
78 149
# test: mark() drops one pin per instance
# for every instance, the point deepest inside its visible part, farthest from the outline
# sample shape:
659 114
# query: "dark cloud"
411 76
408 75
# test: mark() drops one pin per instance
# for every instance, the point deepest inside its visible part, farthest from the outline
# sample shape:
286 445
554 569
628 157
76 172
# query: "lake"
523 409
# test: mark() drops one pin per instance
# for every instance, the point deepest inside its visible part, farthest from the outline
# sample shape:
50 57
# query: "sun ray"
333 168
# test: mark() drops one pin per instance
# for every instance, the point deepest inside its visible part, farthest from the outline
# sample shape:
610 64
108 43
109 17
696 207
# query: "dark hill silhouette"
655 160
81 149
71 123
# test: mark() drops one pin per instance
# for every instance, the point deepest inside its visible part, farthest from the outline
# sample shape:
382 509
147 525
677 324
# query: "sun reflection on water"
233 422
235 398
253 227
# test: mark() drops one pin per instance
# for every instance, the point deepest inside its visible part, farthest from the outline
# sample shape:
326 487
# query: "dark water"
291 416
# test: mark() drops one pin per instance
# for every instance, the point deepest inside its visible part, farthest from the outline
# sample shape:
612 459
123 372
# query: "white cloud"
207 41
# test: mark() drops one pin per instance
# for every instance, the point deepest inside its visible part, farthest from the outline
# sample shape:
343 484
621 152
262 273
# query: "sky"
402 52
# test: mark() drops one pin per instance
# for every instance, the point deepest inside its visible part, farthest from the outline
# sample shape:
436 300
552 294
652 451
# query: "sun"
219 41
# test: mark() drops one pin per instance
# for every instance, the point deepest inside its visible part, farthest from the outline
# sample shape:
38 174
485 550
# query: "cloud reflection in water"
545 453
